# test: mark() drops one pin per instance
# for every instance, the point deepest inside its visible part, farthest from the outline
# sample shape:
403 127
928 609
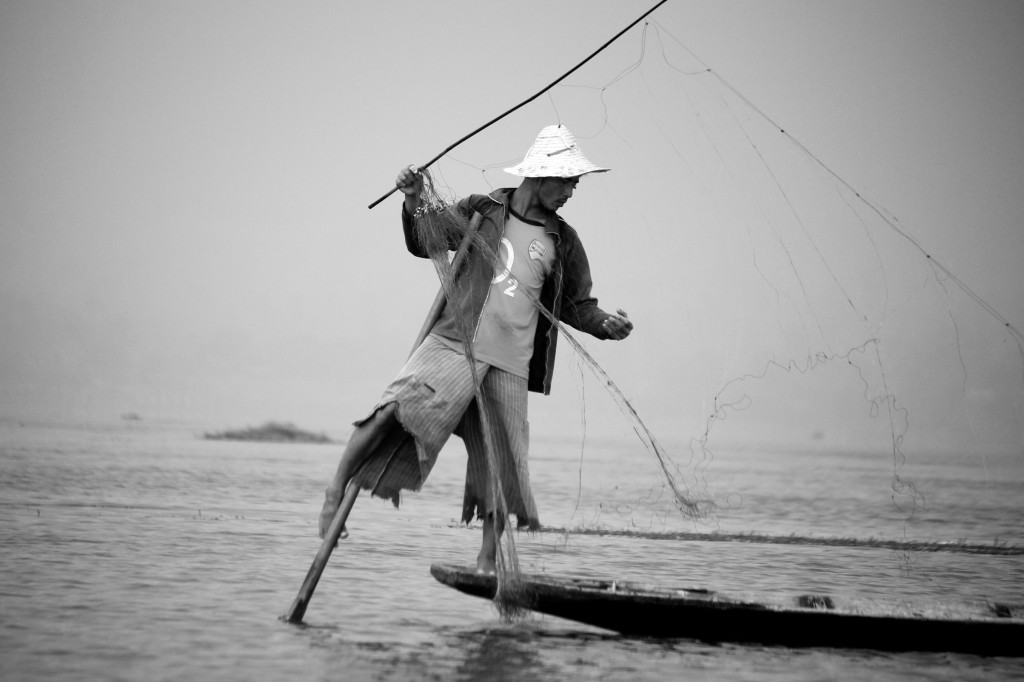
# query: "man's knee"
382 418
387 412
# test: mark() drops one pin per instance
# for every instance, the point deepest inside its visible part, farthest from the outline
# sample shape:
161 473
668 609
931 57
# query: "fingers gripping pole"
298 609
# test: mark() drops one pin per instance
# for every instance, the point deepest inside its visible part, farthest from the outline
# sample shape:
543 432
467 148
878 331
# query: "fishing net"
808 313
794 308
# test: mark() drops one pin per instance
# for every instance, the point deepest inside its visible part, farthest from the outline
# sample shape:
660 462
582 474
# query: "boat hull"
809 621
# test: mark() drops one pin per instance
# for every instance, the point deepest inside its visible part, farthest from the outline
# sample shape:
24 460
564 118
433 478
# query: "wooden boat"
805 621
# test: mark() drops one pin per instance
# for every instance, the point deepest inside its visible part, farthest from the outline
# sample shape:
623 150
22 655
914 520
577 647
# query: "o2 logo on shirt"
510 258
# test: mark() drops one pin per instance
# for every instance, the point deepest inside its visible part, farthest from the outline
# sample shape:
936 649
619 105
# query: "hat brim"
528 170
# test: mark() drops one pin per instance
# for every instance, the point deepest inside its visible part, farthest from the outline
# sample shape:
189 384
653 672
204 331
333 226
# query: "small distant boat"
985 629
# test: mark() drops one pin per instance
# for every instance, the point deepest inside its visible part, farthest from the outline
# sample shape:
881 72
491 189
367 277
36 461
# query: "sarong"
435 397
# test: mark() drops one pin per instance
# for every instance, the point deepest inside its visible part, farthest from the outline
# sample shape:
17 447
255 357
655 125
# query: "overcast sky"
184 231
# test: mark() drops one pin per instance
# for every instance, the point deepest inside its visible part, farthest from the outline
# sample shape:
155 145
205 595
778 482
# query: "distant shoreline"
270 432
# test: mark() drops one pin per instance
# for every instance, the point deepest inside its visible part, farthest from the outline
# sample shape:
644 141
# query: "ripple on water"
153 555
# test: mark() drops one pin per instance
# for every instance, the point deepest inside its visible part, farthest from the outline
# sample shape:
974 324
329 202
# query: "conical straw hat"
554 154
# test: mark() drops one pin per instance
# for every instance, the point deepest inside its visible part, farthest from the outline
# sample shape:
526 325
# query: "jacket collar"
553 225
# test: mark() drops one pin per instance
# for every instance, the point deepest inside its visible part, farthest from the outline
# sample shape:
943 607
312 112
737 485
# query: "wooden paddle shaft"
298 609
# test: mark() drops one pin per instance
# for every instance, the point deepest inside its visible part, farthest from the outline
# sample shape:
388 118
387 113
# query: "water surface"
139 551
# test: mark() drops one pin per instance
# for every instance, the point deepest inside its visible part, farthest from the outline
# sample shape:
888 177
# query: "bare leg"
361 444
486 560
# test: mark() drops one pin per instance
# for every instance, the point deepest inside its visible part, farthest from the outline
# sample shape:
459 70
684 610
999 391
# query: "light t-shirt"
508 321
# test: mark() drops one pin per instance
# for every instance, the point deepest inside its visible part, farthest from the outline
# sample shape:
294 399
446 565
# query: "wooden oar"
298 609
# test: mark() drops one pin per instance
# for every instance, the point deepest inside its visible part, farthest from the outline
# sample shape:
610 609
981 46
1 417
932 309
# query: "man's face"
554 192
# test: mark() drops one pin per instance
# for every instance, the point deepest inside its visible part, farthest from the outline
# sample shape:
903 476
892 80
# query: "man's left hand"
617 326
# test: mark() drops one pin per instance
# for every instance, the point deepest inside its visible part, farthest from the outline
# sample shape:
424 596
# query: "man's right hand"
410 182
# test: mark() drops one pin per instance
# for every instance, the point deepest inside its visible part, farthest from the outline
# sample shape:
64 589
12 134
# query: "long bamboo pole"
298 609
527 101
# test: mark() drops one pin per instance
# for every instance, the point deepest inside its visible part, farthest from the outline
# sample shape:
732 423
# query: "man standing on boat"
520 256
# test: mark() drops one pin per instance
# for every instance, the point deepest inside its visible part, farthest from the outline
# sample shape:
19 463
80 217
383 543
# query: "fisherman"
525 254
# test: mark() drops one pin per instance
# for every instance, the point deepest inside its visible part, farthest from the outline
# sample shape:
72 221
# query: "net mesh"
813 313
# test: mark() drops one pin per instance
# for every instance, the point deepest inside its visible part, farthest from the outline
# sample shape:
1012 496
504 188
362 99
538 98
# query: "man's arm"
579 307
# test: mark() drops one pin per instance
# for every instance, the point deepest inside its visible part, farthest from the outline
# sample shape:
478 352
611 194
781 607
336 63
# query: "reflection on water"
502 654
141 552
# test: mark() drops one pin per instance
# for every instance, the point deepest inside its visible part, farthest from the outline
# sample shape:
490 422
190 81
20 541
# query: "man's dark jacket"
565 293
